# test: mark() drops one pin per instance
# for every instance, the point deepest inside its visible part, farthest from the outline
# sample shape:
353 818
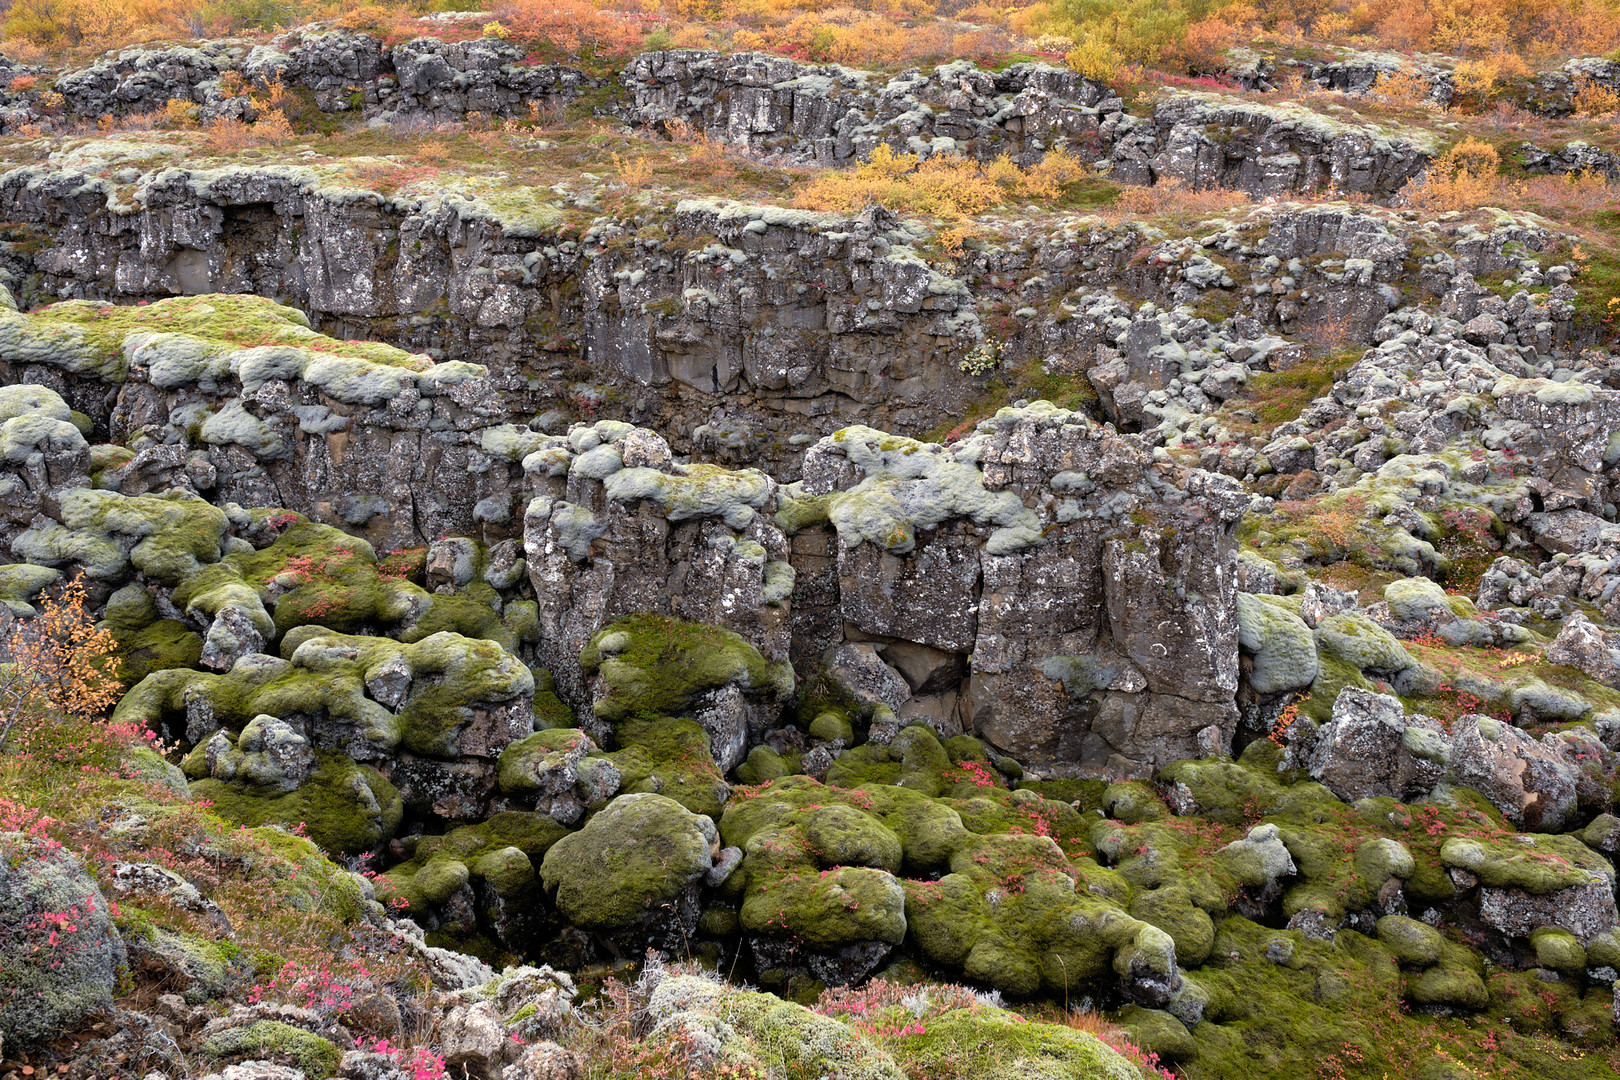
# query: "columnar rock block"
1088 588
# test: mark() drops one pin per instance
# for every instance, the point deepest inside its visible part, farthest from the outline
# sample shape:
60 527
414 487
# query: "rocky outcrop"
1207 140
268 414
734 328
833 116
765 104
1037 551
418 83
996 555
1572 157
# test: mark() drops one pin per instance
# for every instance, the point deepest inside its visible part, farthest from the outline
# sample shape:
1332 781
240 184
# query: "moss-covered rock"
1283 647
275 1041
60 956
1358 641
20 584
440 865
438 686
1449 988
163 645
640 855
994 1042
1558 950
652 666
1412 942
108 535
828 910
344 806
805 1042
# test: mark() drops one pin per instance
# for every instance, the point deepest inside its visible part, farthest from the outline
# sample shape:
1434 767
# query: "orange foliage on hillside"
53 664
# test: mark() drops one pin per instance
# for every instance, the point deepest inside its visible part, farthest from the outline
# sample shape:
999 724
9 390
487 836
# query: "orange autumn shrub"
56 663
947 187
574 26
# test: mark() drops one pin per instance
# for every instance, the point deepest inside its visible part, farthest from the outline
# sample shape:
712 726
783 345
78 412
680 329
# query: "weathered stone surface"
1370 747
52 990
1582 645
1532 784
1078 648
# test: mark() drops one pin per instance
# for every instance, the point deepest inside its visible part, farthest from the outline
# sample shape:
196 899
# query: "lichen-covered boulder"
1530 782
60 955
1282 646
268 754
42 451
1580 644
635 868
1370 747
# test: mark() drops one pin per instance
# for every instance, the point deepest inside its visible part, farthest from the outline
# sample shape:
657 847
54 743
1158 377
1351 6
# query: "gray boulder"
1580 644
60 955
1371 748
1530 782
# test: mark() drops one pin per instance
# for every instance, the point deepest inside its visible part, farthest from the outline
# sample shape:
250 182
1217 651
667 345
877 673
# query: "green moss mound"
489 850
344 806
640 853
275 1041
656 666
994 1042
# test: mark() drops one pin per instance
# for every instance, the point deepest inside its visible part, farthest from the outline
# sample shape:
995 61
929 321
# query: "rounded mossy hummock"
1283 647
1447 987
161 646
1156 1031
1381 858
1414 943
1558 950
1188 925
805 1042
930 832
764 765
992 1042
344 806
638 854
916 759
1134 802
670 756
488 851
1358 641
654 665
827 910
832 726
272 1040
1604 950
843 836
